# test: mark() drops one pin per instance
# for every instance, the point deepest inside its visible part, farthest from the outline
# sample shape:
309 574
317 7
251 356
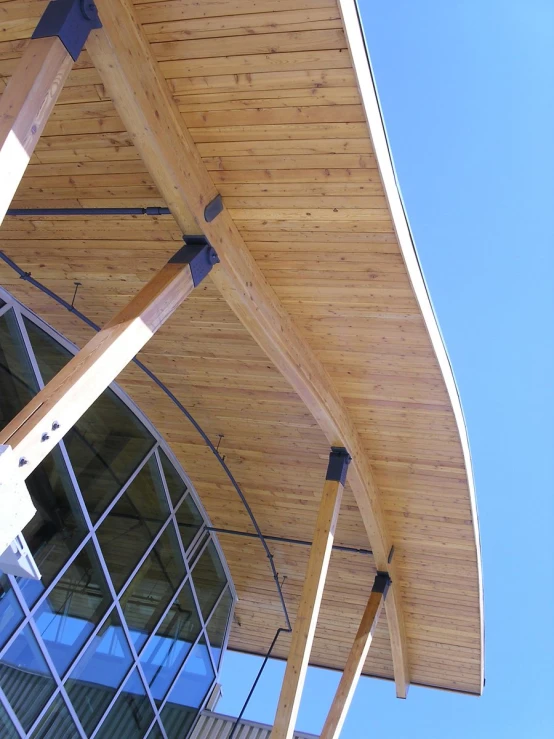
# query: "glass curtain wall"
123 635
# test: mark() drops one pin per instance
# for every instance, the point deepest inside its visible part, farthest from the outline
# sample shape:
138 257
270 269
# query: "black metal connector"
339 459
199 254
381 583
71 21
213 209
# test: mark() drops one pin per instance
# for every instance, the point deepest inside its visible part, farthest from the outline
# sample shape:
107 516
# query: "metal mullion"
72 712
28 347
141 560
86 644
201 529
162 476
41 715
125 486
227 633
180 670
199 553
16 633
46 656
215 605
11 713
112 702
164 614
156 722
72 557
5 309
208 642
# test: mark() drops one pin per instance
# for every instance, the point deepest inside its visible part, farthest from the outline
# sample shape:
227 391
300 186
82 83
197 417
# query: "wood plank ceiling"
269 94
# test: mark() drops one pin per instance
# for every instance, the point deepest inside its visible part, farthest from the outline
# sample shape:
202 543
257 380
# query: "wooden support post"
35 431
308 611
356 659
35 86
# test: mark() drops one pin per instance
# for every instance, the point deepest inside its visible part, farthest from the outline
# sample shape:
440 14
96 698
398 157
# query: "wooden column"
35 431
356 659
312 592
33 89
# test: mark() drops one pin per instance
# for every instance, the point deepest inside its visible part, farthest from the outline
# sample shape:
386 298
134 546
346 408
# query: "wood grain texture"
352 289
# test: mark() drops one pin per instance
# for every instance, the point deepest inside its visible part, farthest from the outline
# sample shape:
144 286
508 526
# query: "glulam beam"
356 659
303 631
132 77
44 421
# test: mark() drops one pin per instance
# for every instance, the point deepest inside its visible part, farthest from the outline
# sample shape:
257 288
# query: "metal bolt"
55 426
22 462
44 437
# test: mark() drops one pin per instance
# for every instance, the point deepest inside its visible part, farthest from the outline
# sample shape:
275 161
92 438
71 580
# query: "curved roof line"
368 91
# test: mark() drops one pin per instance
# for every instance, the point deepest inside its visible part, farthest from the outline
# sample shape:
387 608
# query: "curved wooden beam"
122 55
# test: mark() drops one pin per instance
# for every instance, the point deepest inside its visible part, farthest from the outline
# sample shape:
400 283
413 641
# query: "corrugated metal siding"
215 726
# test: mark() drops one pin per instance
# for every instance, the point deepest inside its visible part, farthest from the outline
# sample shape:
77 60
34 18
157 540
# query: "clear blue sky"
467 90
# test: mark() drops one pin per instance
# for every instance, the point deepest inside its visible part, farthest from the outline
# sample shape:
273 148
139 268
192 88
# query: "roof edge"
361 63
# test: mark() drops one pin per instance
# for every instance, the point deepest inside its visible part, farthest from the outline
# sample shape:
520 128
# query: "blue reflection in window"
194 682
11 614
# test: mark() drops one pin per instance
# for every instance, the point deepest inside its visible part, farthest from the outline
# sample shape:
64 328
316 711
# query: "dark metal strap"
71 21
213 209
199 254
339 459
381 583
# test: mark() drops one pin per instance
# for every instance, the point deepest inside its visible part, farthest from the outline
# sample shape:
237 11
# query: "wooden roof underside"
268 92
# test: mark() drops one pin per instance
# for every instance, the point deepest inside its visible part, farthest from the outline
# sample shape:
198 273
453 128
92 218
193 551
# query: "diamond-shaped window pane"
107 443
175 483
132 713
100 671
56 723
154 585
209 579
189 519
24 673
133 522
217 627
74 607
166 651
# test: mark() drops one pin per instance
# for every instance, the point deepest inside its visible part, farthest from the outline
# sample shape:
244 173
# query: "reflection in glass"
209 579
133 522
218 625
189 691
107 444
189 519
131 714
11 614
73 608
56 723
17 380
25 678
7 729
100 671
175 483
166 651
153 586
58 526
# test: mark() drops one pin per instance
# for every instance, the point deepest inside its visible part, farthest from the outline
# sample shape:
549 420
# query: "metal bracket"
339 459
381 583
199 254
71 21
213 209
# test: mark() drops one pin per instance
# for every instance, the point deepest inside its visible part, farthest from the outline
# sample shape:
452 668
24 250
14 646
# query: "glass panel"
209 579
133 522
189 692
131 714
107 443
56 723
11 614
156 733
166 651
17 380
175 483
218 625
153 586
8 730
25 678
189 519
99 672
73 608
58 526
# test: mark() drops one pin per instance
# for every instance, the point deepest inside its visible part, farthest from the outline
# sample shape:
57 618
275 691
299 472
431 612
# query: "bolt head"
22 462
44 437
55 426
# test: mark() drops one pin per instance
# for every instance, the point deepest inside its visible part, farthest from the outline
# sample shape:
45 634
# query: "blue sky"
467 90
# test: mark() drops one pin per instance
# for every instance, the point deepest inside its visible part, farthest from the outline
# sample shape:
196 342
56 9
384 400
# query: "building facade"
124 632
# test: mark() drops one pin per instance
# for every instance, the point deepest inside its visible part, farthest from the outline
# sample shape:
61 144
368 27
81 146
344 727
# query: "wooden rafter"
131 75
356 659
36 430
